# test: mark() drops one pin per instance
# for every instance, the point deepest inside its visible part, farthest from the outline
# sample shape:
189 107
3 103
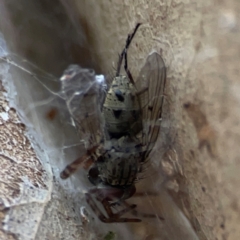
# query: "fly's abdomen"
119 169
121 109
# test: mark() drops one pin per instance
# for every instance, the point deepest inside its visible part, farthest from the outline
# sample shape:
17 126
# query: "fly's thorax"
121 109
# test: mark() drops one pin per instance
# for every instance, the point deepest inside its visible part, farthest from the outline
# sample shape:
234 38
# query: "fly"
119 121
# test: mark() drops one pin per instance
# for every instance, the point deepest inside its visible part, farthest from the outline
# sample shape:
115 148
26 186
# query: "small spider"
119 119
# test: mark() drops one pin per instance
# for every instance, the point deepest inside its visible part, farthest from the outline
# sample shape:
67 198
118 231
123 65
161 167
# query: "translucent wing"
150 86
84 93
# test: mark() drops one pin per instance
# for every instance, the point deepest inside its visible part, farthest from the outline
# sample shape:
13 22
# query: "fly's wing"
150 87
84 94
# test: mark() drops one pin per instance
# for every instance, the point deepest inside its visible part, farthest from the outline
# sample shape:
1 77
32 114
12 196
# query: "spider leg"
116 217
142 215
111 217
85 161
145 215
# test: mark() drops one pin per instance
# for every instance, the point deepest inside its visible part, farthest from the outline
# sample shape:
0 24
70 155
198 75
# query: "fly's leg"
124 53
85 161
129 39
126 68
111 217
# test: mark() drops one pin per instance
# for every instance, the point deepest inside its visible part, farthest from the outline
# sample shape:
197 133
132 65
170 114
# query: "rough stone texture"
198 149
23 179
